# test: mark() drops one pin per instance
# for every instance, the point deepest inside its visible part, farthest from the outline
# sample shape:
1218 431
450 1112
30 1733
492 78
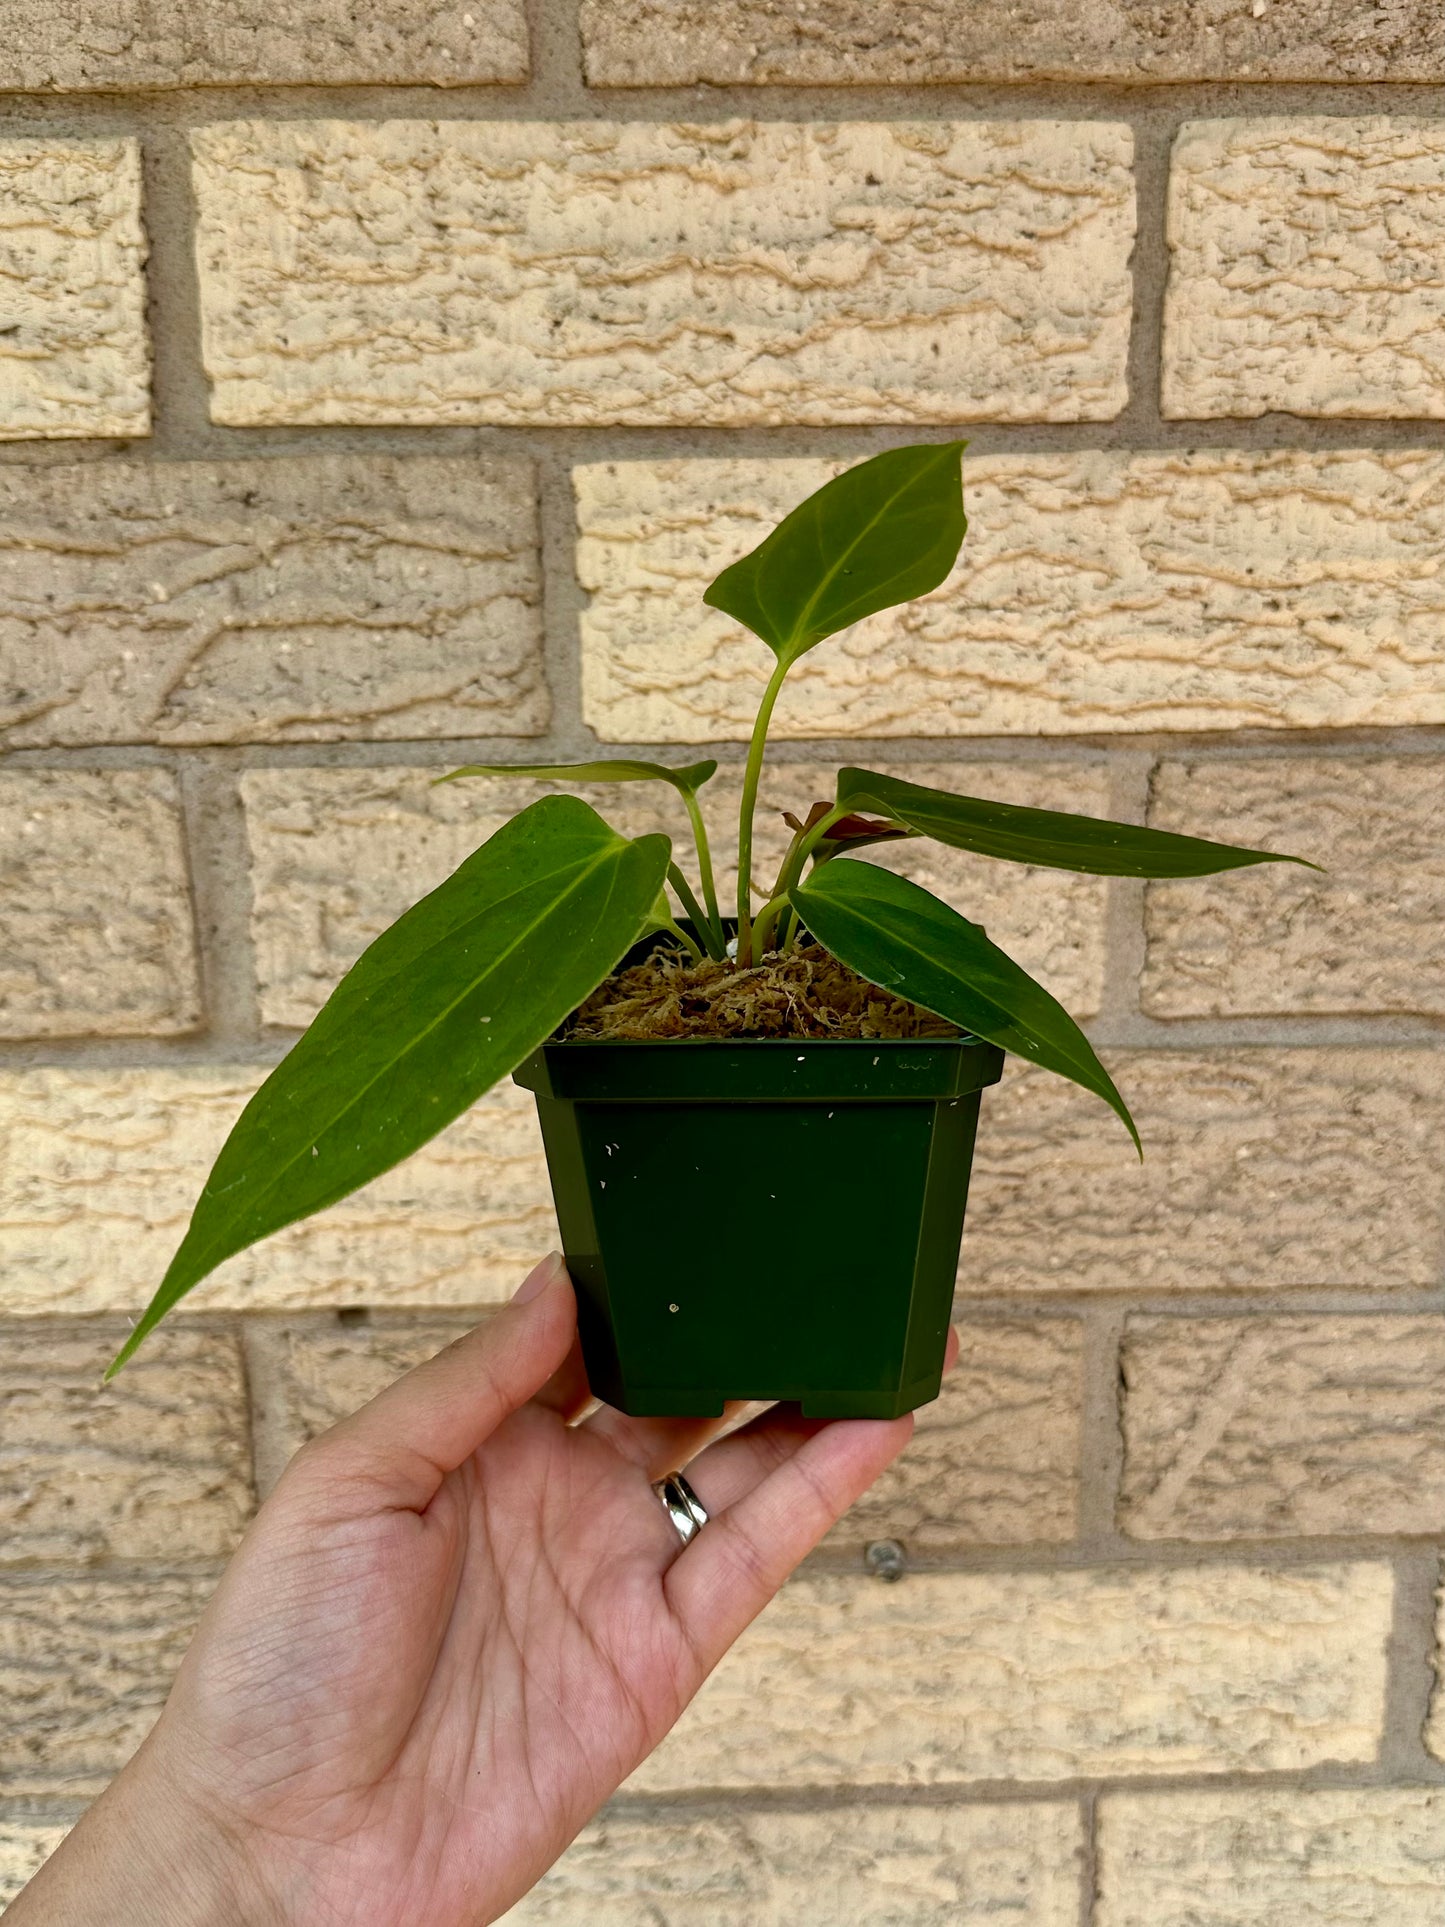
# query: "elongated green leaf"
901 937
687 779
878 534
1050 837
450 998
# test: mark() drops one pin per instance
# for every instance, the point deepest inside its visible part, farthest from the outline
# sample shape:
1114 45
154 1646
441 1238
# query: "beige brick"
85 1666
155 1465
1042 1676
317 1373
1252 1428
99 1170
590 272
106 44
1265 1856
996 1460
1312 1166
99 935
1304 268
1097 593
337 855
25 1846
675 43
1287 939
869 1866
74 358
292 600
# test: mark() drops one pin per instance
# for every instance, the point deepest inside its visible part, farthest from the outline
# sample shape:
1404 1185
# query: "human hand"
456 1626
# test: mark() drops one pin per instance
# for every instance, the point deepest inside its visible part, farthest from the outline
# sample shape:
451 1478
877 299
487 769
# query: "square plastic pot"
762 1220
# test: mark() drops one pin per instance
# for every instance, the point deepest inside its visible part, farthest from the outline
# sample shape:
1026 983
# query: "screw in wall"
886 1560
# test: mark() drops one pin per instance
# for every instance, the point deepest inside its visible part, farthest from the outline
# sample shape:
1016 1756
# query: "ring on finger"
682 1505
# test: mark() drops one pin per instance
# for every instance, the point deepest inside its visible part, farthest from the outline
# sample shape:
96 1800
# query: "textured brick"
155 1465
868 1866
99 1170
1286 939
1249 1428
25 1846
99 936
318 1373
1042 1676
995 1461
1305 267
1258 1858
292 600
85 1666
589 272
1096 593
1264 1167
674 43
106 44
73 349
338 854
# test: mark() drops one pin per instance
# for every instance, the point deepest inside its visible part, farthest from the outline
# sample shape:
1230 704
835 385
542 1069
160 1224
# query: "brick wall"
353 429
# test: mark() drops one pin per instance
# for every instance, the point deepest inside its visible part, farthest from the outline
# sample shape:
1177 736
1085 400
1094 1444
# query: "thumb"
429 1422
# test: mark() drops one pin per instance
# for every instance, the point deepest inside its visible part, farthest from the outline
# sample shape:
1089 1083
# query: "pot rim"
767 1069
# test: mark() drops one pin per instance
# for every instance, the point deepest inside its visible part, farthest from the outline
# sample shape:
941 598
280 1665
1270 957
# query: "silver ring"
682 1505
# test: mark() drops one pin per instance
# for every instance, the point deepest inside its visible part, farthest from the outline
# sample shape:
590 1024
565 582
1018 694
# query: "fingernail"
539 1278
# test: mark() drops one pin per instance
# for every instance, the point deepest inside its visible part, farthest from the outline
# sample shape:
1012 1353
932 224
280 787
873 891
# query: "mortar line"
1089 1857
563 602
1153 138
1411 1655
1101 1445
1124 944
823 1797
1222 747
555 90
1127 434
179 391
221 884
260 1341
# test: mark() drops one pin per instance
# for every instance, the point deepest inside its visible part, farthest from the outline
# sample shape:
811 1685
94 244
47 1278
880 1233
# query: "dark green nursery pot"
762 1220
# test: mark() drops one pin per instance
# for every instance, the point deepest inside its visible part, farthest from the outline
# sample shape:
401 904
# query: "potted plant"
759 1129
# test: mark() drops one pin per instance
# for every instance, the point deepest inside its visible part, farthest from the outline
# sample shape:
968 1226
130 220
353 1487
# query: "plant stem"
799 850
804 846
751 776
676 930
704 868
716 948
763 927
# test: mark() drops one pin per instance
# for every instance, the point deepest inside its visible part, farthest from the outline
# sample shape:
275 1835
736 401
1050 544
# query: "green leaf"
1051 837
881 533
688 779
453 996
902 938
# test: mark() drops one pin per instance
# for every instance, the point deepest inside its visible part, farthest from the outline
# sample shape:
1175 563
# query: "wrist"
145 1856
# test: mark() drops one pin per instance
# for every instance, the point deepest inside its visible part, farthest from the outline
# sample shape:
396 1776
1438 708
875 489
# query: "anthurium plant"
478 974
